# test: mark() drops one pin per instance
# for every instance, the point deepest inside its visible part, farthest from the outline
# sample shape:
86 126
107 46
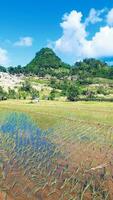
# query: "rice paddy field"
56 150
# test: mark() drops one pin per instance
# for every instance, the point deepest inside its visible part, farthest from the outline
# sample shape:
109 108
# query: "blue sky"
27 26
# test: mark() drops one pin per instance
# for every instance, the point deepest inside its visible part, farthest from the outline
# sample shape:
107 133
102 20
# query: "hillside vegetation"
46 62
48 77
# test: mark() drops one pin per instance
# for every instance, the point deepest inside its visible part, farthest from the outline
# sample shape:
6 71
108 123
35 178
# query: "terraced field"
56 150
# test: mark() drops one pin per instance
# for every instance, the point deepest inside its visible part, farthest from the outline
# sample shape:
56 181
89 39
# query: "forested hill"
47 62
87 79
92 68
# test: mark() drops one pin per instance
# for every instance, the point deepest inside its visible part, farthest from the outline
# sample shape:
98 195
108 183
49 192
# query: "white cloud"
110 17
3 56
101 43
24 41
74 33
94 16
74 40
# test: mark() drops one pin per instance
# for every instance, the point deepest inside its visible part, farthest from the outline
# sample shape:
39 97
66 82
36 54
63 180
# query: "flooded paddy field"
69 160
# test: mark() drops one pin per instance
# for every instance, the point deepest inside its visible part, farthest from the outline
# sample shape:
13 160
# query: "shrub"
52 95
73 92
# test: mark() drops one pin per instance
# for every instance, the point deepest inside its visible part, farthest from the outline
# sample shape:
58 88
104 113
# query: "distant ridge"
46 62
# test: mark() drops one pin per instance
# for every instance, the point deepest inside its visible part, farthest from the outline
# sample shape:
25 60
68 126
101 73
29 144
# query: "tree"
26 86
3 94
22 94
34 93
19 69
73 93
11 94
90 68
52 95
2 69
11 70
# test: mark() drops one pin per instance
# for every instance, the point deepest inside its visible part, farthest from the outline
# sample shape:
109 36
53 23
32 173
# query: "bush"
26 86
73 92
101 90
52 95
3 94
34 93
12 94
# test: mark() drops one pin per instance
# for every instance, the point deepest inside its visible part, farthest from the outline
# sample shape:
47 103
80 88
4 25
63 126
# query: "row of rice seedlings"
30 161
103 131
40 161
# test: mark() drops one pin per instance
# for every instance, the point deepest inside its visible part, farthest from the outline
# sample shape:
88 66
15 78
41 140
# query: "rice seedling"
70 161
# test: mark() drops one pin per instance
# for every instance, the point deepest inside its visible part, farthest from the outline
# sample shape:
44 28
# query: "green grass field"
49 113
